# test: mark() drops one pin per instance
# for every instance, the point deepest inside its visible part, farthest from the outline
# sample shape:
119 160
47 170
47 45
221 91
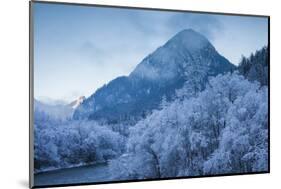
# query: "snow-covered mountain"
187 56
57 111
77 102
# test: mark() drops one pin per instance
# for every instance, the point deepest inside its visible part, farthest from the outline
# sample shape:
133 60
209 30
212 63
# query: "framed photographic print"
122 94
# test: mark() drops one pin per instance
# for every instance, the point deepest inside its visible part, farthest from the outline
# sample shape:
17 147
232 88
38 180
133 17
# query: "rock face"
185 56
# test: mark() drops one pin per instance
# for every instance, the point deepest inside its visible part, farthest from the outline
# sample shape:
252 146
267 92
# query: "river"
83 174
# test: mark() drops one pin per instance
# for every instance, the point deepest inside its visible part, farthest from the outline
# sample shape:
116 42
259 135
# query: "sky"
78 49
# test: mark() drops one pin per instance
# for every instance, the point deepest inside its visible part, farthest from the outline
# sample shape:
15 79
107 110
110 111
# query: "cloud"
206 24
89 51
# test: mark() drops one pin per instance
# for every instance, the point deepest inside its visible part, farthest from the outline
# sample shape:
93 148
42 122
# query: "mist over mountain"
74 104
185 56
57 112
56 109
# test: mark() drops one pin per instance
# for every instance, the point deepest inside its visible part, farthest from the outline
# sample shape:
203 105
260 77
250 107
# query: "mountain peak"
185 49
189 39
188 32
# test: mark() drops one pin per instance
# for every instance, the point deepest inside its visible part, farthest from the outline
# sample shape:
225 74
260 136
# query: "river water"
83 174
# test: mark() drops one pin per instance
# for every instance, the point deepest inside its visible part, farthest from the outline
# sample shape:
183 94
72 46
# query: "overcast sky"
77 49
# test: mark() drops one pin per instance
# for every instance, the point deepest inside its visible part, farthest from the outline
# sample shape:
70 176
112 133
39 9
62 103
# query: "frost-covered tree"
222 129
243 143
73 143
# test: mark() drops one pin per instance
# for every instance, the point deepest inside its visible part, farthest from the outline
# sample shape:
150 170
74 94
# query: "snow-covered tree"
75 142
222 129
